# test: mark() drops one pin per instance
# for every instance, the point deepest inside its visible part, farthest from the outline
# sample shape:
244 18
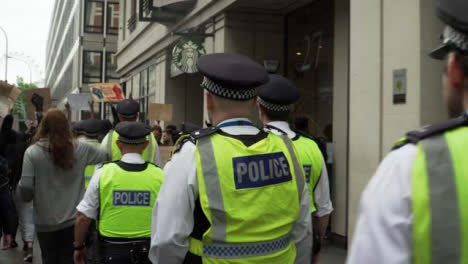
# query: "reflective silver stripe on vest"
213 189
150 149
297 166
245 250
445 214
109 144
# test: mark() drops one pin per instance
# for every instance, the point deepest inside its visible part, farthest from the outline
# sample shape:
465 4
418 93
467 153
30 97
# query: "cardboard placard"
79 101
9 91
5 105
165 153
42 94
160 112
106 92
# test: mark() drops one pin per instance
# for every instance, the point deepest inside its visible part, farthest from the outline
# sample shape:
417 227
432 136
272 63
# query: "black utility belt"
125 243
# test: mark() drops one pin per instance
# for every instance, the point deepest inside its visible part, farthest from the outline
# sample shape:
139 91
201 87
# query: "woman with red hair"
52 176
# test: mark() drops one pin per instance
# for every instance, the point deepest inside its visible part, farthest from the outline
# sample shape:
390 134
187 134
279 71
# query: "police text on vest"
261 170
131 198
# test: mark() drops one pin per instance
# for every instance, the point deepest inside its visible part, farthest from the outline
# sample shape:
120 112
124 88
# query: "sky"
26 23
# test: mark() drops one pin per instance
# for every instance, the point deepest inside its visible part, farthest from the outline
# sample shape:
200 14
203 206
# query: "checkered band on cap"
225 92
274 107
132 141
455 37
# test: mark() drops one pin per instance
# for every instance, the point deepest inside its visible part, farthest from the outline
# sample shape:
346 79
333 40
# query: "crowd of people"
88 188
233 192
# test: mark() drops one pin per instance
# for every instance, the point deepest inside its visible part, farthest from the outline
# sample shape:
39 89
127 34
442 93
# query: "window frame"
87 3
106 77
84 65
109 18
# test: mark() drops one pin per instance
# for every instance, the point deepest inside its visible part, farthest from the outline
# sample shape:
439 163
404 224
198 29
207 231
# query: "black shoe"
28 255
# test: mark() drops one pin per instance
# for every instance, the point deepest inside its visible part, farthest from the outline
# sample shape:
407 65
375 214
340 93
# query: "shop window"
94 17
92 66
113 10
111 67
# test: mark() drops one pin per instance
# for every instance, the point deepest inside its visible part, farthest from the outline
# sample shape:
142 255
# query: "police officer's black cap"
76 127
106 126
231 76
128 108
279 94
454 13
91 127
132 132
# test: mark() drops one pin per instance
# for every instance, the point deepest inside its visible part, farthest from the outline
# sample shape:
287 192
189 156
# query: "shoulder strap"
270 127
204 132
322 145
414 137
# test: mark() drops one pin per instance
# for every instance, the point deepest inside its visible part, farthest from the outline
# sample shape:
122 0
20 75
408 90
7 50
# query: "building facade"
81 47
343 56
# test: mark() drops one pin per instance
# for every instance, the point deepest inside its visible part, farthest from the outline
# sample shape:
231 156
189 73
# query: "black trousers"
57 246
132 253
8 218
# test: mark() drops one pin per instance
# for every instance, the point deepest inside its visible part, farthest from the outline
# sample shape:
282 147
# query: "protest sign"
79 101
106 92
160 112
37 100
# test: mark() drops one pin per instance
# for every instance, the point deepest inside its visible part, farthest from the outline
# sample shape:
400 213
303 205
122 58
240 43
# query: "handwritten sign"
37 98
10 91
160 112
106 92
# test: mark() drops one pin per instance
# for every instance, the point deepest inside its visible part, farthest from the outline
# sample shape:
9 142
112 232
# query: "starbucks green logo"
186 54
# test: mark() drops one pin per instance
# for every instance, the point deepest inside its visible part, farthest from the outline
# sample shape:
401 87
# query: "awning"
162 3
165 11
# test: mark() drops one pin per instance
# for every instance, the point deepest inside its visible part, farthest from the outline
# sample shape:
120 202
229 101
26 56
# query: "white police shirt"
89 206
322 190
172 221
156 158
383 232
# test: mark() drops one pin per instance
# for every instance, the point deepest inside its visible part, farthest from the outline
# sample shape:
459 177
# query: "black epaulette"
416 136
181 142
321 145
203 132
301 133
98 166
193 137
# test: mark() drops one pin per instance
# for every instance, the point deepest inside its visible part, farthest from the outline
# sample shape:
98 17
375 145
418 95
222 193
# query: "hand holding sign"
38 102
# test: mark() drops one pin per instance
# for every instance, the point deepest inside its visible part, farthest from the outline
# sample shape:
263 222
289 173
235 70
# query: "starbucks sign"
186 54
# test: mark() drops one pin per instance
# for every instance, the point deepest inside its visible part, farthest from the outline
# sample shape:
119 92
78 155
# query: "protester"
168 135
6 225
52 177
15 144
157 132
10 149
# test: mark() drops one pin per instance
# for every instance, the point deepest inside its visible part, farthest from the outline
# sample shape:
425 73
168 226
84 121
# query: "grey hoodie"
56 192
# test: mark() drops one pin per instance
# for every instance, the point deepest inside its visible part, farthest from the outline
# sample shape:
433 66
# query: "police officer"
415 208
276 99
88 131
122 194
233 194
128 110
